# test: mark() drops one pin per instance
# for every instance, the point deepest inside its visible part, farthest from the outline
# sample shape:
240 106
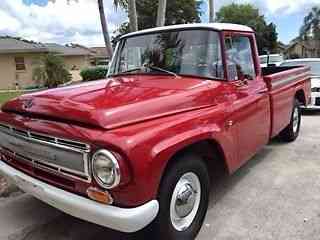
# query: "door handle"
229 124
263 91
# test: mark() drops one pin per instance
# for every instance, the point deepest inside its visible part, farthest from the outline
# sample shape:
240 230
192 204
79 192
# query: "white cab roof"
213 26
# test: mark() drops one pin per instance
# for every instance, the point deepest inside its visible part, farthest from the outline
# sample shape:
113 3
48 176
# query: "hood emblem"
28 103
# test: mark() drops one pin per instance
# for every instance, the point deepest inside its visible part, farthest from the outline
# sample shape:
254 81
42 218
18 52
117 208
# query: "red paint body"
146 119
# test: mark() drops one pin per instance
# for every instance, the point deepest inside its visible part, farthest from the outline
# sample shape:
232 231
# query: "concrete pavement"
274 196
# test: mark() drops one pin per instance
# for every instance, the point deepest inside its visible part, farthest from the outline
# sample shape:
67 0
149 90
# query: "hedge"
91 74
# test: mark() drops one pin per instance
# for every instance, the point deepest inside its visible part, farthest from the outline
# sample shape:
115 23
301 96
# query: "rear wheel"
183 198
291 132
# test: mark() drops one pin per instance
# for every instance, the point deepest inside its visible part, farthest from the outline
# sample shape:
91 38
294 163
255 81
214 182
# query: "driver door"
250 108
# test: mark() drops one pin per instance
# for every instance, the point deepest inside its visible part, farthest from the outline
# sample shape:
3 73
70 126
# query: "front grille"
63 156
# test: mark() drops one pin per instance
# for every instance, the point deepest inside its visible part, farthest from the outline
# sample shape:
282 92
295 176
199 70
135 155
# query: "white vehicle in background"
274 59
314 64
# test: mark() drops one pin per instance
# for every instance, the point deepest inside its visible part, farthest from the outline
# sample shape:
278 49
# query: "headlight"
106 169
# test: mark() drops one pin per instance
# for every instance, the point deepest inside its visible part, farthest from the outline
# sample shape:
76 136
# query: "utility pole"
211 11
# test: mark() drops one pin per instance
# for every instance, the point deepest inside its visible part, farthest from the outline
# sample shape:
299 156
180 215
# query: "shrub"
51 71
96 73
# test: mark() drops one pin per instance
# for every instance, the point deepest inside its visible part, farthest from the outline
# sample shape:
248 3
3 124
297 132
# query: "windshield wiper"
144 67
162 70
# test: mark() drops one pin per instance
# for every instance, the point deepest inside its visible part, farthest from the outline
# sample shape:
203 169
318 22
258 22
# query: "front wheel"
291 132
183 198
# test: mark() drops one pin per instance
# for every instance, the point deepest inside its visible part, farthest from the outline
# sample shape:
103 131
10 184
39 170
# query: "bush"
91 74
51 72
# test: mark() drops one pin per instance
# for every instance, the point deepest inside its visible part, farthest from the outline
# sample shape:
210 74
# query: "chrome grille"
64 156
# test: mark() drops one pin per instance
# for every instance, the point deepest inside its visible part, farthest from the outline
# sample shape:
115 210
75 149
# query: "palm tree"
130 5
104 26
133 18
161 17
211 11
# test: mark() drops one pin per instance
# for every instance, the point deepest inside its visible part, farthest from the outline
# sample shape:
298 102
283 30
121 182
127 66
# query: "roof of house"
308 44
100 52
15 45
72 50
213 26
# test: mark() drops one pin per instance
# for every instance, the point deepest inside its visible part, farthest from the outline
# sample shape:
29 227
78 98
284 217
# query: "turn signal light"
99 196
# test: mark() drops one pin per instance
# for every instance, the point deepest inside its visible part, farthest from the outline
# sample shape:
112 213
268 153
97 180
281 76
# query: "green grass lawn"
4 97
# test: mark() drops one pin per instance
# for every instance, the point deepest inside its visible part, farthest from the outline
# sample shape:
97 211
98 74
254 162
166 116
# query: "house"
303 49
19 57
100 56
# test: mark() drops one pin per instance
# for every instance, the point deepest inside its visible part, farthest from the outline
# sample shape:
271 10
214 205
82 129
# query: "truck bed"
282 83
279 76
274 69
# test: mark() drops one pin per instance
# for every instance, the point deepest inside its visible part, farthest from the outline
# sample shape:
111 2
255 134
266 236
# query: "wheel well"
301 97
211 153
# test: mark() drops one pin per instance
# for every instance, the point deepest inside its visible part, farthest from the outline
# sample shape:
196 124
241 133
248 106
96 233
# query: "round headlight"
106 169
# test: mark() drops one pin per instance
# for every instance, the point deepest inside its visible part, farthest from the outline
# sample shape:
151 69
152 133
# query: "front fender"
165 150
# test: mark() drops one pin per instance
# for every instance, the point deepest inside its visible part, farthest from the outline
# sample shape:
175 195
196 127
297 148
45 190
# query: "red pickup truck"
136 150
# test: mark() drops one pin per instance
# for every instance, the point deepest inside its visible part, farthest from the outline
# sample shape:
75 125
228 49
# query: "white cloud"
79 22
290 6
59 21
285 7
10 23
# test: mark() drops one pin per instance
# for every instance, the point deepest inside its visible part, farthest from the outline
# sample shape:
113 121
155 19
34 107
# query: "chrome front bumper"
120 219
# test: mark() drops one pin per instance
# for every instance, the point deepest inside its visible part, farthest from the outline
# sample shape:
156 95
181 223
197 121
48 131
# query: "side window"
240 65
20 64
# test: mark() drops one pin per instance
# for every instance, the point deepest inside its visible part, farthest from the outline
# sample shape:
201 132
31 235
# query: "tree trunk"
133 18
211 11
105 28
161 18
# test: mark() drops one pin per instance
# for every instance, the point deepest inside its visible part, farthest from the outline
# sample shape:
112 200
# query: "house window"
20 64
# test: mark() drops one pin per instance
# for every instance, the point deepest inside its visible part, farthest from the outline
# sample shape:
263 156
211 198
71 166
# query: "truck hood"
118 101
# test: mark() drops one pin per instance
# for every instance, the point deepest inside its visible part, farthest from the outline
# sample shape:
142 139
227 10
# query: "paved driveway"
275 196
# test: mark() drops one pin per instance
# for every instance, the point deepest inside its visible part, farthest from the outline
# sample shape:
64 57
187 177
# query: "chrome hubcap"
185 201
295 119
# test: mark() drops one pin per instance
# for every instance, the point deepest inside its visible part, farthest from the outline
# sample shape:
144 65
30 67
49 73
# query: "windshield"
186 52
315 66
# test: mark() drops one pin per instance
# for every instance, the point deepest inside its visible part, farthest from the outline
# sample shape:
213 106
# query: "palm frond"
120 3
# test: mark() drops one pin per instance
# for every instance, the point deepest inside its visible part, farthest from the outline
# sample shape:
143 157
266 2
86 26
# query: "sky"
63 23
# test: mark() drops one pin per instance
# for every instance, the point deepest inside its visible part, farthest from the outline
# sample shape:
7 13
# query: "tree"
177 12
161 16
211 11
104 26
247 14
131 7
311 25
133 16
51 71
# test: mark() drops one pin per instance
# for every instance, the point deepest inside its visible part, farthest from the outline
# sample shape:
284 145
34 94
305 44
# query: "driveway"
275 196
